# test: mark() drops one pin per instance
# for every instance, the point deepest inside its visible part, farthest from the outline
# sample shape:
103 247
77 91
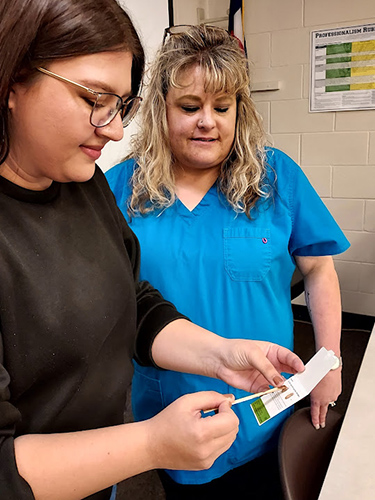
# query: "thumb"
211 400
267 369
226 405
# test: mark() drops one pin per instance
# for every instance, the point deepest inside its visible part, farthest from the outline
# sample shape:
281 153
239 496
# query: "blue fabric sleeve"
314 230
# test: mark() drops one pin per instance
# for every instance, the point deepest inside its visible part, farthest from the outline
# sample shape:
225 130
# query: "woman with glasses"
223 220
70 298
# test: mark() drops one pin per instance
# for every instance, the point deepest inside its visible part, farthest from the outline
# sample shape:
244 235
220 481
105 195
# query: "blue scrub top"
231 275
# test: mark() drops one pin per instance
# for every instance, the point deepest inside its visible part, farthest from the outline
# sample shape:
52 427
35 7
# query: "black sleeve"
153 311
13 486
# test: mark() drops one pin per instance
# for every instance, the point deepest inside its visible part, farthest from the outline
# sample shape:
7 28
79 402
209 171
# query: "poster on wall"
343 69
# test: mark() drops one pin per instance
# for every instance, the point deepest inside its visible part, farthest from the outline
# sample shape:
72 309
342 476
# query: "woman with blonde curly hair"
224 71
223 221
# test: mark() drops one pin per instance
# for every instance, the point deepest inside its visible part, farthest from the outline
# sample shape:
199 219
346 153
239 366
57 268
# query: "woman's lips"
92 152
204 139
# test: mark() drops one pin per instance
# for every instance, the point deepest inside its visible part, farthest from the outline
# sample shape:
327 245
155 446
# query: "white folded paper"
298 386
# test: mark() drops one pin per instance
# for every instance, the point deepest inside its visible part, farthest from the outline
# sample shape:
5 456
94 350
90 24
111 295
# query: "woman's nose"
114 131
206 119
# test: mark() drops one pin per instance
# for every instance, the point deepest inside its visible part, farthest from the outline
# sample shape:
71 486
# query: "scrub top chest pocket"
247 253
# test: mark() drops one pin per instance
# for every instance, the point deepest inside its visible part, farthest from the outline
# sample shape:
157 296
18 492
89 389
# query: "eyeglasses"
106 105
180 29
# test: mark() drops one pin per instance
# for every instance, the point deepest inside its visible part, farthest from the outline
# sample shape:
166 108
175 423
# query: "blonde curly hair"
225 69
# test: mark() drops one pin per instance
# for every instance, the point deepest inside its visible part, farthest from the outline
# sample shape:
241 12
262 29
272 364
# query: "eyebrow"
189 96
198 99
221 99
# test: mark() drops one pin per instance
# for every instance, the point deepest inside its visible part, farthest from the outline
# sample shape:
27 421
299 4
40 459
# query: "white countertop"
351 473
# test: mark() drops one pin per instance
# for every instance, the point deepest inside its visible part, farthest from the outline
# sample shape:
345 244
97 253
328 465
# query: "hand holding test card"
298 386
275 400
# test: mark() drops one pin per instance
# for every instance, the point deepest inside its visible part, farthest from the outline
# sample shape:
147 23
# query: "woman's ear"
15 92
12 98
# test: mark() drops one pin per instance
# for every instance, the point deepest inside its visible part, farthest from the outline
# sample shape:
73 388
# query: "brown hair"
35 32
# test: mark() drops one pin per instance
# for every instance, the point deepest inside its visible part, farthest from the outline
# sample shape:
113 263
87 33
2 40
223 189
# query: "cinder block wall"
335 149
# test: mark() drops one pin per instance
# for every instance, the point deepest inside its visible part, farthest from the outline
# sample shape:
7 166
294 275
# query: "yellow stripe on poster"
362 86
363 46
363 71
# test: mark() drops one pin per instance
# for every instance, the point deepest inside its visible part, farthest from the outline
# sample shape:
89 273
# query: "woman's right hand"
177 438
180 438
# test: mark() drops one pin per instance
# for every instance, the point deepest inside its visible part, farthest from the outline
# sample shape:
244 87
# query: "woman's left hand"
253 365
326 392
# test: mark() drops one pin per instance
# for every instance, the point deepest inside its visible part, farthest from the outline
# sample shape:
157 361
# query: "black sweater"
70 304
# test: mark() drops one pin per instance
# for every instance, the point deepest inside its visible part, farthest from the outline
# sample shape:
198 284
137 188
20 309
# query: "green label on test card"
260 411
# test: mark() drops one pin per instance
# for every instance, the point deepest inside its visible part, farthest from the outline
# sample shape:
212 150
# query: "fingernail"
230 398
317 427
278 380
323 425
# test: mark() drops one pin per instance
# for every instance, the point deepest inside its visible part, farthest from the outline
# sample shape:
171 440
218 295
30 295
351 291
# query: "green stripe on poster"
337 88
339 48
338 73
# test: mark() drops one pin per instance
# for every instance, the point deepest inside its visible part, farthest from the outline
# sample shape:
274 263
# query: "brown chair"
305 453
